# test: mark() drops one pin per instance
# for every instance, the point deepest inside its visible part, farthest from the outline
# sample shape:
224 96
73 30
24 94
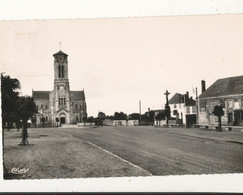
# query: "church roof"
77 95
224 87
60 53
179 98
44 95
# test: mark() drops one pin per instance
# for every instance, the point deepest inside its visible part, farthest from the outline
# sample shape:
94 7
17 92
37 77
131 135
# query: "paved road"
122 151
162 151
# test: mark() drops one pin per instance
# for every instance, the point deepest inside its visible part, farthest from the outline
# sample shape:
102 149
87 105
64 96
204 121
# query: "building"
62 103
227 92
183 109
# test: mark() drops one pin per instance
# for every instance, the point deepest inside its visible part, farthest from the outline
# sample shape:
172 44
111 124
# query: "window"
61 71
76 106
237 105
62 101
230 104
37 107
174 105
188 109
80 107
76 118
46 118
46 106
194 109
41 106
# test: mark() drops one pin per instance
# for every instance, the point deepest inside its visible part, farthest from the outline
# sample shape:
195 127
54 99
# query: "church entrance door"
62 120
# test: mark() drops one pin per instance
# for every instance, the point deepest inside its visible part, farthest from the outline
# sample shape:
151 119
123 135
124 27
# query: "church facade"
62 103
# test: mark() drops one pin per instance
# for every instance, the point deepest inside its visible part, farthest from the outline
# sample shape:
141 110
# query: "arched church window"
61 71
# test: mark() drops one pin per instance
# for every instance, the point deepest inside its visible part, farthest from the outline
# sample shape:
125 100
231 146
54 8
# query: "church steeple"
60 65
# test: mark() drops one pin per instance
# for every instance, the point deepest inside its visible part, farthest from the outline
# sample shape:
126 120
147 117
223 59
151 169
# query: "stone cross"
167 94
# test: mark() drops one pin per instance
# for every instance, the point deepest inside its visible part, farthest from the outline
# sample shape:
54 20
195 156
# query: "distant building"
227 92
69 106
183 109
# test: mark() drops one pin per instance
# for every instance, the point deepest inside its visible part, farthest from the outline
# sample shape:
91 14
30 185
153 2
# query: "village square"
51 135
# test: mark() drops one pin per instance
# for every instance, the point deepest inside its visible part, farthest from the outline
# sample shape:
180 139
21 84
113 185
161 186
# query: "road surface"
119 151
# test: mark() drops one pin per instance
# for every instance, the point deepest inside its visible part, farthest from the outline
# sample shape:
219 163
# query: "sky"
120 61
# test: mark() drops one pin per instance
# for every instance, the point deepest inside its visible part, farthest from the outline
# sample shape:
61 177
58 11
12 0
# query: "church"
62 103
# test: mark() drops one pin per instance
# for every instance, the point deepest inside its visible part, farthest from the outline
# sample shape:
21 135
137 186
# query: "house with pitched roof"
62 103
183 109
227 92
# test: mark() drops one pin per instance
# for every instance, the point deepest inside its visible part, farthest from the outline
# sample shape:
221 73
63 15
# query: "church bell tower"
61 87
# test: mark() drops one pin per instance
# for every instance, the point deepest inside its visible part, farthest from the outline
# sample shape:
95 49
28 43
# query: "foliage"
9 91
144 117
219 112
120 116
43 121
151 115
26 108
134 116
90 119
101 117
160 116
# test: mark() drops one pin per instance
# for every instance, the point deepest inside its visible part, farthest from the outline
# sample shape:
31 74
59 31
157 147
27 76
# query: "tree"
43 120
167 113
120 116
218 111
101 117
160 116
90 119
26 108
10 94
57 121
135 116
151 116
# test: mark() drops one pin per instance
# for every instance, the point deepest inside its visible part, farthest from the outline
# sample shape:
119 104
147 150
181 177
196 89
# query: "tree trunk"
220 126
24 134
8 126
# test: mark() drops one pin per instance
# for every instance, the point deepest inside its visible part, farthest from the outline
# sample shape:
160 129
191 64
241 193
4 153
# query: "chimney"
148 109
203 83
187 94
